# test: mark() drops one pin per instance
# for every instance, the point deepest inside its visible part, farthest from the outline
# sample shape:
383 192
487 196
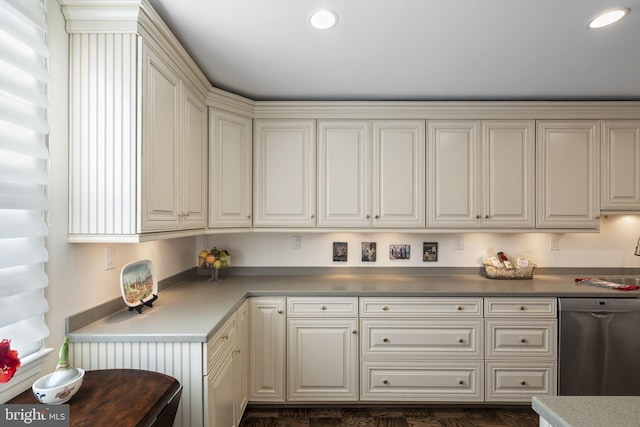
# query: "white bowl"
58 394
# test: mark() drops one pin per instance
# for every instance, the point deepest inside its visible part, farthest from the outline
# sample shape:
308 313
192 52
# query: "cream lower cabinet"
421 349
521 348
267 341
322 349
620 166
568 174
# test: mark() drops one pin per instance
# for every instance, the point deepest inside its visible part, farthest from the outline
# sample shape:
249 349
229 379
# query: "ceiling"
412 49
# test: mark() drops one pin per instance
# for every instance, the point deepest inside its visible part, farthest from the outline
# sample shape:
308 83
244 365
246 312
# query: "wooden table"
121 397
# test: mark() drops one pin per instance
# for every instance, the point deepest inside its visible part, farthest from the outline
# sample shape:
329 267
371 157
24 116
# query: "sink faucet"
637 253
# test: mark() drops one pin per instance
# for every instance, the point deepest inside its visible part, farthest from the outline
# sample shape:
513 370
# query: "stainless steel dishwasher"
599 347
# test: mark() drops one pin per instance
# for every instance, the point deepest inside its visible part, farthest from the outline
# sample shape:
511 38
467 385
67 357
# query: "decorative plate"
138 282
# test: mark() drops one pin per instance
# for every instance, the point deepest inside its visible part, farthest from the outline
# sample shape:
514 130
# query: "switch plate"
296 242
554 243
458 243
109 258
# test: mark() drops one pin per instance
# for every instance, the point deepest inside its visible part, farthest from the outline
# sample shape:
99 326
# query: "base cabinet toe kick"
405 349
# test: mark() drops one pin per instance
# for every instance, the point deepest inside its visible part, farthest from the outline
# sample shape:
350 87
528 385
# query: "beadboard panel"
182 361
103 133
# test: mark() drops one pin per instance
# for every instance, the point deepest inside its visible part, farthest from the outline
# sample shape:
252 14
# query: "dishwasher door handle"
600 314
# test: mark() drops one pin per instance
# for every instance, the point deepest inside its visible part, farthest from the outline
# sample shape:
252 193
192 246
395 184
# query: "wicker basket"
502 273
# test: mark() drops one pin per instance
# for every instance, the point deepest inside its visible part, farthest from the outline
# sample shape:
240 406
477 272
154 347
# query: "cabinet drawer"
322 307
421 381
222 341
525 307
518 381
530 338
423 338
420 307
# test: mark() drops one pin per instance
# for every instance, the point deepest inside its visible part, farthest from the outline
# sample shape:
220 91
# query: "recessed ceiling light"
324 19
608 18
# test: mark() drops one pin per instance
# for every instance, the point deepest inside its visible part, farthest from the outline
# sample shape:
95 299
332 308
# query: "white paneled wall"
181 360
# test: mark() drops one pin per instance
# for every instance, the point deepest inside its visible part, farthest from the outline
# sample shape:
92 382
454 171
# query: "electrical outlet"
458 243
296 242
554 243
109 258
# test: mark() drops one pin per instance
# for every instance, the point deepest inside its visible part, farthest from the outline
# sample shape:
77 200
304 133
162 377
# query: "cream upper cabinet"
371 173
284 170
174 150
568 178
230 151
620 166
481 174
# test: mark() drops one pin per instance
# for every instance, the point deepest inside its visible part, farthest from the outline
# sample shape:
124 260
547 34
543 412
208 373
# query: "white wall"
613 246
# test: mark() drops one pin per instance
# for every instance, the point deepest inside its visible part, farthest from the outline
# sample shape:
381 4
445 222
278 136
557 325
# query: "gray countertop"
589 411
192 311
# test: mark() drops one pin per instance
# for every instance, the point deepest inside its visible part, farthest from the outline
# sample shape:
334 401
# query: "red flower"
9 361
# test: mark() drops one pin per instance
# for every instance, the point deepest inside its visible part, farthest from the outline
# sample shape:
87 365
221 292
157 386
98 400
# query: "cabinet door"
194 160
229 170
398 174
267 349
242 367
160 144
284 173
221 393
568 179
323 359
508 172
621 165
344 174
452 152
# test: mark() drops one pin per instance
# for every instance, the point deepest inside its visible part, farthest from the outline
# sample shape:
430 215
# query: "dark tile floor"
428 416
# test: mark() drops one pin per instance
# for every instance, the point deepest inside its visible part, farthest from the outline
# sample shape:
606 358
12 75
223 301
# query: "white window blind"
23 180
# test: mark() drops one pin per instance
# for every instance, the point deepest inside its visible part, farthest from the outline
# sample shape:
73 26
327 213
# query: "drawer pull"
225 337
459 308
523 382
461 382
523 308
324 307
523 340
385 339
385 382
385 308
460 340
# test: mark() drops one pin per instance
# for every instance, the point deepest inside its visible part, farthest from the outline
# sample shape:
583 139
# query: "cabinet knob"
225 337
523 340
460 382
377 217
311 216
385 382
523 382
385 308
486 216
478 216
354 332
367 216
385 339
459 308
324 307
248 216
460 340
522 308
280 311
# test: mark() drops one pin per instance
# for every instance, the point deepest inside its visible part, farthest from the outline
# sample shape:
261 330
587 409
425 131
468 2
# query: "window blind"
23 180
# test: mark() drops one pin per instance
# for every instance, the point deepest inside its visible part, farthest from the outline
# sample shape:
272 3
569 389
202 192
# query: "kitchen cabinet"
421 349
230 175
322 349
521 348
137 131
568 174
620 166
220 380
267 339
481 174
242 366
174 151
371 173
284 156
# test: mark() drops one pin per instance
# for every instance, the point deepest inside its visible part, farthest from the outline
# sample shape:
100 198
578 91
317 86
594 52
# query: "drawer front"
513 338
525 307
421 381
422 338
519 381
222 341
322 307
420 307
